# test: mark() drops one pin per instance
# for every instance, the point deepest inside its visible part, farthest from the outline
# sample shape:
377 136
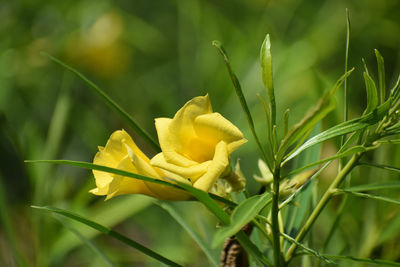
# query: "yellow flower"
122 153
196 143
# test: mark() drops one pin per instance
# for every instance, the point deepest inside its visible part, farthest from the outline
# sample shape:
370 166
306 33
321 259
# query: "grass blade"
204 247
239 93
120 209
111 233
91 166
385 167
349 152
307 249
358 259
89 243
357 194
374 186
346 60
242 215
131 121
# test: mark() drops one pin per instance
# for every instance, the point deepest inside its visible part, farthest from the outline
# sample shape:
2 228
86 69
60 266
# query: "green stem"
275 219
322 203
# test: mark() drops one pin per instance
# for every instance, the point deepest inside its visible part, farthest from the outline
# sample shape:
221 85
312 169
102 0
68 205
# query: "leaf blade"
242 215
109 232
130 120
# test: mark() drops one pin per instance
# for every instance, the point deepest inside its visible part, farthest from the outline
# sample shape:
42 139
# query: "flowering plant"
193 162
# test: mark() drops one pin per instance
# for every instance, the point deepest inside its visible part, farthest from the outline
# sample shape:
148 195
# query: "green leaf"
344 128
348 152
89 243
216 209
239 93
267 77
381 76
374 186
372 93
204 247
307 249
242 215
110 214
357 194
323 107
385 167
111 233
393 142
358 259
131 121
91 166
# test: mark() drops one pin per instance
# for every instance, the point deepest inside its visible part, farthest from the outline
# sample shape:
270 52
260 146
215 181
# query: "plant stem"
322 203
275 219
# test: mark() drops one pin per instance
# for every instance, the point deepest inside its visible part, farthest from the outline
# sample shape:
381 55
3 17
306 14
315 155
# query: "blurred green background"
151 57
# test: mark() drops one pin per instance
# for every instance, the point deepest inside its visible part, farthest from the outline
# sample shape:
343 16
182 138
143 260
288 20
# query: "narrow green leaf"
346 60
374 186
387 199
344 128
358 259
111 233
386 167
89 243
348 152
393 142
216 209
131 121
272 146
239 93
286 122
381 75
244 213
267 77
204 247
120 208
372 93
323 107
307 249
91 166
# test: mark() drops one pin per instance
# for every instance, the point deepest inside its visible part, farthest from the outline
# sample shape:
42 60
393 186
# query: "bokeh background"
151 57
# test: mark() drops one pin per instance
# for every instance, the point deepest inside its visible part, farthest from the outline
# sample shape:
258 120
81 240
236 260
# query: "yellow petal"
218 165
212 128
125 185
192 172
176 134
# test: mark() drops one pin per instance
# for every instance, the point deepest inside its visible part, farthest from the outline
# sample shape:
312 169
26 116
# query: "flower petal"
213 127
176 134
192 172
218 165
